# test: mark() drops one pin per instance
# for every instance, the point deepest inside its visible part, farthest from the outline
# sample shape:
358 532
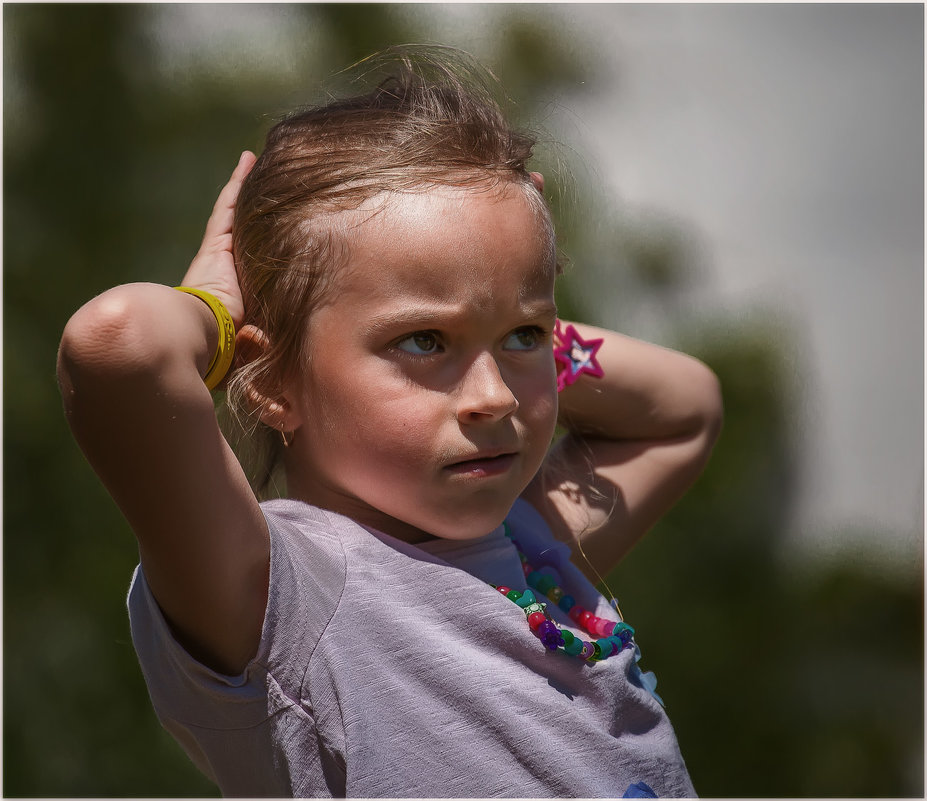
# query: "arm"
637 439
130 369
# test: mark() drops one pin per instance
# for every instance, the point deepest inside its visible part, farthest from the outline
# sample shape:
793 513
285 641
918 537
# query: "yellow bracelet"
222 359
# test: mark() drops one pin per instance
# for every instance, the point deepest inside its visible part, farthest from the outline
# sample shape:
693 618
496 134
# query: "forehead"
448 243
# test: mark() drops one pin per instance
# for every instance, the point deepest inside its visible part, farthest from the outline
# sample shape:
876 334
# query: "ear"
274 410
538 180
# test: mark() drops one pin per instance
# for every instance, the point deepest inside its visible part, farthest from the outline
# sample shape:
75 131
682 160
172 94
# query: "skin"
440 420
432 409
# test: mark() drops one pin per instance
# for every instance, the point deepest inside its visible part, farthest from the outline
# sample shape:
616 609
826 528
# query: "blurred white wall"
791 137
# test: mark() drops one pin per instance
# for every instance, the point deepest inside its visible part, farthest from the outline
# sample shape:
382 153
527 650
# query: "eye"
527 338
421 343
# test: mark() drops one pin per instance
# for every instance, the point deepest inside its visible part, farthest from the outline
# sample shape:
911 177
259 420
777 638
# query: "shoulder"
310 543
308 564
307 578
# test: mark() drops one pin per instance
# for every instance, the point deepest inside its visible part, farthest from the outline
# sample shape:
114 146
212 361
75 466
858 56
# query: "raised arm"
638 436
130 368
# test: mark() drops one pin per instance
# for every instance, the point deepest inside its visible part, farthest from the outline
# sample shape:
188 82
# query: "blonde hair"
431 119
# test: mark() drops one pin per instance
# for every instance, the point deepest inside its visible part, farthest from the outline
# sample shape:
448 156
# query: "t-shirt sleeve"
212 714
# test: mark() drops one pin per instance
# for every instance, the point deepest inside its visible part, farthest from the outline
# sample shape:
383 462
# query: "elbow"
713 412
702 413
97 337
104 339
708 401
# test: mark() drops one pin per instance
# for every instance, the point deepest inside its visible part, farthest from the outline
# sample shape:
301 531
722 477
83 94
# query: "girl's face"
430 398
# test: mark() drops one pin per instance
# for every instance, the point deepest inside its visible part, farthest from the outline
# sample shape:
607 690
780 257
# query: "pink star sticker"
577 355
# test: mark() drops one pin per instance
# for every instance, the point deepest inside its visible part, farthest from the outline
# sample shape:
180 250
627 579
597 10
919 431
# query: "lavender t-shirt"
392 670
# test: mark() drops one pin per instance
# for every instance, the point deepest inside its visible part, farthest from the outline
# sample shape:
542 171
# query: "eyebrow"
418 315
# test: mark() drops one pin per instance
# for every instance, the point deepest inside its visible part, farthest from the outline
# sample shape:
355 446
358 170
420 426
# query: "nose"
484 396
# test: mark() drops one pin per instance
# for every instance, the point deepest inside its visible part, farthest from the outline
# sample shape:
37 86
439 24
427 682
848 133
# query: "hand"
213 267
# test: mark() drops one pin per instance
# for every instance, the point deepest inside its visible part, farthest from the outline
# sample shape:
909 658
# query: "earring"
286 442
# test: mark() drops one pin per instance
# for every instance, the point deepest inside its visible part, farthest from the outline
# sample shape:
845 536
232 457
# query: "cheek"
544 419
394 432
537 397
538 408
386 426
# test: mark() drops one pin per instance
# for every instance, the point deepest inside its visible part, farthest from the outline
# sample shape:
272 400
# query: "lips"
483 465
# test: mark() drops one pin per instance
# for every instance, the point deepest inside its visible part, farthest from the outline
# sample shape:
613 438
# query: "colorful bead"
605 627
535 619
574 647
527 597
550 635
533 607
623 630
547 625
612 637
545 583
607 647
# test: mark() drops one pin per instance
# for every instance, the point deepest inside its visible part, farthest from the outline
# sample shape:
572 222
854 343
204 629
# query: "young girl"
416 617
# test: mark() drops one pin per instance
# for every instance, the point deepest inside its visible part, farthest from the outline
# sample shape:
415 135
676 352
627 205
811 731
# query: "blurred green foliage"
781 679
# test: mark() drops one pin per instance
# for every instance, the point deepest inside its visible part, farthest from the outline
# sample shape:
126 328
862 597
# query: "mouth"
488 465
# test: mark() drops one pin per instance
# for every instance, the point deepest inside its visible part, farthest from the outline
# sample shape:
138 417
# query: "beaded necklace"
612 637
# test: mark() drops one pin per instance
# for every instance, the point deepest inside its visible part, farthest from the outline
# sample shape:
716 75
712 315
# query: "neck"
317 495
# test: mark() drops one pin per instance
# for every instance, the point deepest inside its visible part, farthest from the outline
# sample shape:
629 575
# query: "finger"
220 221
